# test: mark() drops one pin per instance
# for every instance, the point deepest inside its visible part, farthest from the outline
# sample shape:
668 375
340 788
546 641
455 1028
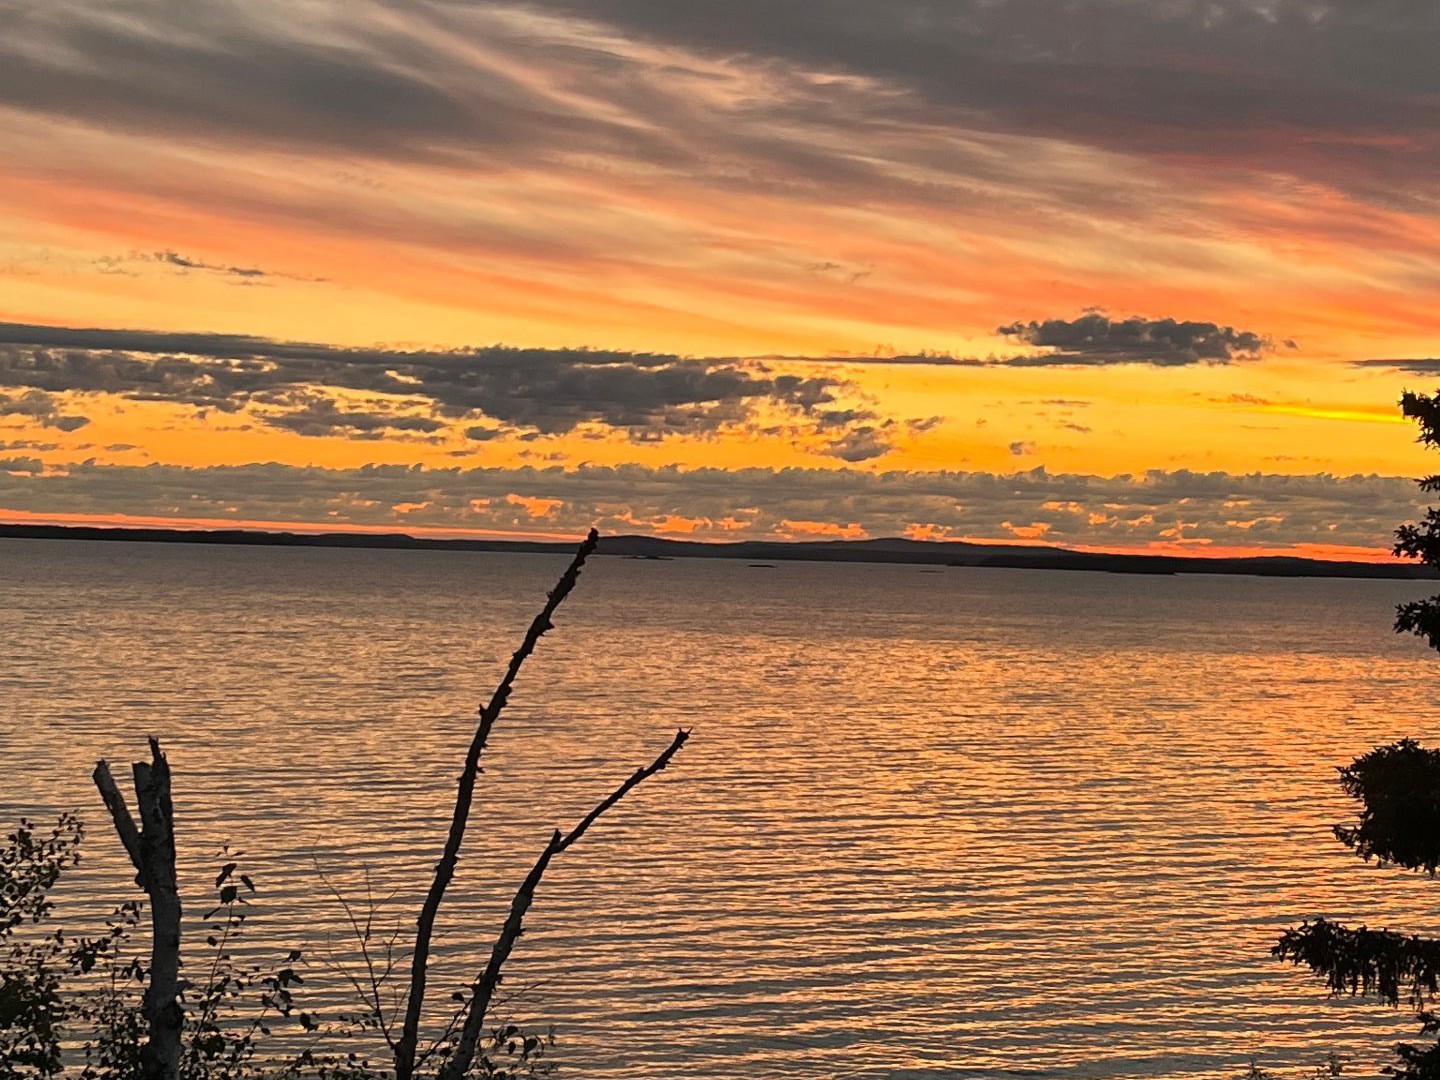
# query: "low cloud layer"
1255 510
1098 339
366 394
44 409
551 391
1417 365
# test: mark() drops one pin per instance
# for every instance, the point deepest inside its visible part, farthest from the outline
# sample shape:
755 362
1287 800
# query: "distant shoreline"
918 552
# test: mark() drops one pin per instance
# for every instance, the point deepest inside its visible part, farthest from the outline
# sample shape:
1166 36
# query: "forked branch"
484 987
405 1047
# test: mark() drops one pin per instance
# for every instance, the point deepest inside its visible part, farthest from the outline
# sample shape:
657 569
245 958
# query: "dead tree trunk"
151 847
408 1043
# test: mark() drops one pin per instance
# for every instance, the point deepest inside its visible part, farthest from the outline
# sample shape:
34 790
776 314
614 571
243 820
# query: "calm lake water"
955 823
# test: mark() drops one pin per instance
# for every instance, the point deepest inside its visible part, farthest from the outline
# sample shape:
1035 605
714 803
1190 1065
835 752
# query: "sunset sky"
1105 273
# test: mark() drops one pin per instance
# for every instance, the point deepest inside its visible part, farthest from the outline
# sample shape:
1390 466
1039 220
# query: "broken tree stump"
151 847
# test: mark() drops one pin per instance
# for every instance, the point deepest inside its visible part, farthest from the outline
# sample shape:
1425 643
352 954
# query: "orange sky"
1131 254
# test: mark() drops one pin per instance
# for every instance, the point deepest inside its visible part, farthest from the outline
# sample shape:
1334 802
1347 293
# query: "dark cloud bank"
496 390
1096 339
550 391
1255 509
1415 365
297 386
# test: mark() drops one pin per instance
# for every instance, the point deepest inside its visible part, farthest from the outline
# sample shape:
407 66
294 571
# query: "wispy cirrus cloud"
1320 88
1323 89
130 265
1418 365
748 178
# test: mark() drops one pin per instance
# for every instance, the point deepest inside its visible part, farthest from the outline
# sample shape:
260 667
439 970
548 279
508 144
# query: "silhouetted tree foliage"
1397 788
31 1011
1421 540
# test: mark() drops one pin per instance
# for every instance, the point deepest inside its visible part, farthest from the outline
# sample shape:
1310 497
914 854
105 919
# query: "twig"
448 1030
210 1002
362 936
464 798
125 826
484 987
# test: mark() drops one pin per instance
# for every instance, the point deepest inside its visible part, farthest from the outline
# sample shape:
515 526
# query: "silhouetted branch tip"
482 992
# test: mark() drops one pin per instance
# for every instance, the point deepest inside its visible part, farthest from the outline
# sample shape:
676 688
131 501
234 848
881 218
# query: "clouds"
44 409
364 394
133 263
1294 86
738 178
1417 365
315 415
862 436
551 391
366 79
1132 510
183 262
1095 338
217 71
782 223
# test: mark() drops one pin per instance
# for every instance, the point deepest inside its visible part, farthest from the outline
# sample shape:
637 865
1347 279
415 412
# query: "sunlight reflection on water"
978 823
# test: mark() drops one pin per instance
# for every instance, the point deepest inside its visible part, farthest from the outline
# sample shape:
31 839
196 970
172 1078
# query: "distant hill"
1007 556
889 550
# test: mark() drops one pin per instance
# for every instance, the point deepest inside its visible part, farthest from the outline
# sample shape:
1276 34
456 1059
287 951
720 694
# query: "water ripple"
976 824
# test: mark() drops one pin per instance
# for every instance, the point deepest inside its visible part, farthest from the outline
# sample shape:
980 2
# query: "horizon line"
1197 551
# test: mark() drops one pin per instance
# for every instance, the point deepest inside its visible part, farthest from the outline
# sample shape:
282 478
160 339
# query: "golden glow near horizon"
809 217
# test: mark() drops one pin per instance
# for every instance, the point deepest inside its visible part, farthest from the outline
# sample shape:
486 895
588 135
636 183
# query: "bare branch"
624 789
484 987
405 1049
114 801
